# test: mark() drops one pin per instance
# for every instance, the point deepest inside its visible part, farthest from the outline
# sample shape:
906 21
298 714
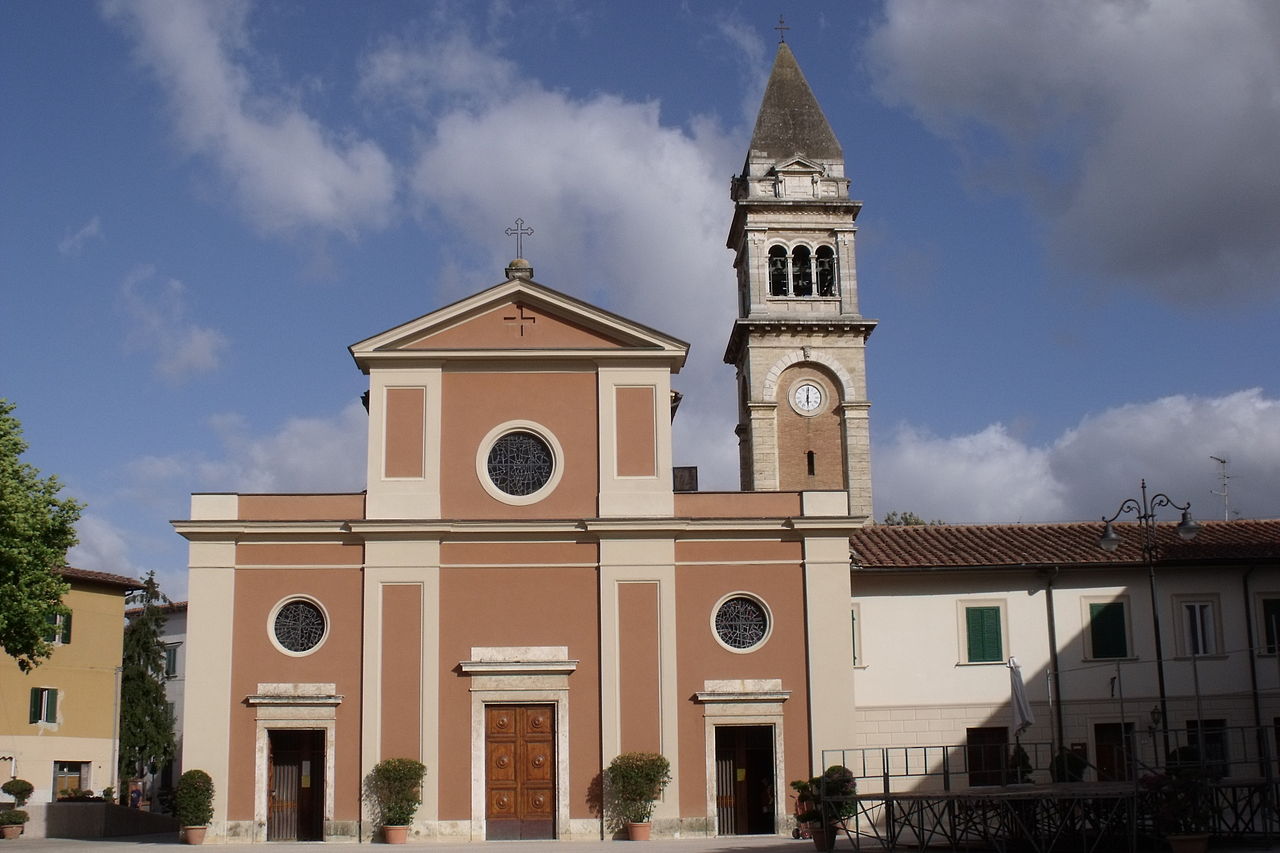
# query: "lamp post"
1145 513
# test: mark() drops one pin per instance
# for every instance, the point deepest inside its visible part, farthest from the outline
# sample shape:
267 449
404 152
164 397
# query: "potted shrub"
1181 805
19 789
825 802
394 789
1068 766
633 782
1019 766
11 821
193 805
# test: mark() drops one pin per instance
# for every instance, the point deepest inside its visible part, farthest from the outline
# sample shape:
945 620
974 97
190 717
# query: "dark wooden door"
520 775
295 776
987 754
744 780
1113 746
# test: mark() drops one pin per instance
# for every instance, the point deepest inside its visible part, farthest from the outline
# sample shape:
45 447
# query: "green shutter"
66 627
51 710
51 635
983 624
34 716
1270 616
1107 630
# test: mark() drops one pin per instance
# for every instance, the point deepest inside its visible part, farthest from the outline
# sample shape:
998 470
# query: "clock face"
807 396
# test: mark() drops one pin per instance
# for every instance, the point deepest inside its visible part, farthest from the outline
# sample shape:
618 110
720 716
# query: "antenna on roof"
1223 476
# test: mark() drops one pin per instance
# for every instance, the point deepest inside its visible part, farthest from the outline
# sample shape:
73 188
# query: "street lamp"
1145 512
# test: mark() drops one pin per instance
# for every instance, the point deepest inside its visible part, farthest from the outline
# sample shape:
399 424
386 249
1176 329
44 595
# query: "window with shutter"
1108 630
983 628
44 705
1270 623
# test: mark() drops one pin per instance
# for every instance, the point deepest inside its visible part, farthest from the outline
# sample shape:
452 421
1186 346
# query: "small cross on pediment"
520 319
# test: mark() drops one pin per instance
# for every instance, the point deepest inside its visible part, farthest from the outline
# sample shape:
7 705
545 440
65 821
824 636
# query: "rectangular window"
44 705
1108 630
171 661
982 634
59 628
1270 623
1197 625
1209 740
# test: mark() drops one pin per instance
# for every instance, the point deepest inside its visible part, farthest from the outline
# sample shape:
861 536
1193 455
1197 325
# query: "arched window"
778 271
826 258
801 272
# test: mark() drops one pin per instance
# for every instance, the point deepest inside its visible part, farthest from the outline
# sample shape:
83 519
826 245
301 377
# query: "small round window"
298 626
741 623
520 463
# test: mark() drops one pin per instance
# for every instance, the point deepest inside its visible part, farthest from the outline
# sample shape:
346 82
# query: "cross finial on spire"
519 232
782 30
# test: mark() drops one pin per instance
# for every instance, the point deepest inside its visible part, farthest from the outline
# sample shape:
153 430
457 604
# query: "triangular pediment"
518 318
797 166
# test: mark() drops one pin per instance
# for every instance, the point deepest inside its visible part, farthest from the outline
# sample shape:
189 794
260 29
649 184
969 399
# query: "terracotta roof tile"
106 578
1074 543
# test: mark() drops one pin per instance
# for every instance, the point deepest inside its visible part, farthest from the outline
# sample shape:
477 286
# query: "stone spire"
790 121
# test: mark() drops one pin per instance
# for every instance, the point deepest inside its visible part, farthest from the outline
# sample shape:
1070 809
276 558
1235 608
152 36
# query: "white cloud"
317 454
623 206
73 244
452 71
157 315
287 170
102 547
987 476
992 476
1145 133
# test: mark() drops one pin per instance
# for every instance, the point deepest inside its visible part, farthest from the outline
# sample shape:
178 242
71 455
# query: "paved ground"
766 844
168 841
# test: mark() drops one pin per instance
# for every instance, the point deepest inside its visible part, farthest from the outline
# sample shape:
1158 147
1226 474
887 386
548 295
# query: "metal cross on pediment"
519 232
520 319
782 30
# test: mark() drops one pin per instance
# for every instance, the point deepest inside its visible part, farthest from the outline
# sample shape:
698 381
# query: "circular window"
519 462
298 626
741 622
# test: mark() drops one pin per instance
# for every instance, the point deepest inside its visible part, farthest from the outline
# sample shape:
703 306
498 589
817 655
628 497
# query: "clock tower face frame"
807 397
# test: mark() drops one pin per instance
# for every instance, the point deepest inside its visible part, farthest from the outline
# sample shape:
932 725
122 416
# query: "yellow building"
58 722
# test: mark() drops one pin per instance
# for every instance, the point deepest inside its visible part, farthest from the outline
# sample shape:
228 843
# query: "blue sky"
1069 234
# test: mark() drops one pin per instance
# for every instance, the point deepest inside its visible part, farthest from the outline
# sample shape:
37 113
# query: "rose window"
299 626
741 622
520 463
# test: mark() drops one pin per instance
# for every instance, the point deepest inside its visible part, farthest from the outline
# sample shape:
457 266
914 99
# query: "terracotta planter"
639 831
1191 843
824 837
395 834
10 830
193 834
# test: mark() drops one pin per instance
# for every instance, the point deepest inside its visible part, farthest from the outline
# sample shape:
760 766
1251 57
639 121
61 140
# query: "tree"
146 723
903 519
36 529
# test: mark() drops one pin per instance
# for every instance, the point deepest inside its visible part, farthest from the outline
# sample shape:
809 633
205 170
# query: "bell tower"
799 342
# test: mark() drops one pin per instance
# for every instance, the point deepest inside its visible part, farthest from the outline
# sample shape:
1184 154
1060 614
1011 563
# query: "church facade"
522 592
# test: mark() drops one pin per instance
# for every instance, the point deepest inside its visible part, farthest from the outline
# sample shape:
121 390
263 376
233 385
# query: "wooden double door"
520 771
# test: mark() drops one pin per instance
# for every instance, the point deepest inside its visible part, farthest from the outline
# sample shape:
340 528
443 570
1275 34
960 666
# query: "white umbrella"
1022 715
